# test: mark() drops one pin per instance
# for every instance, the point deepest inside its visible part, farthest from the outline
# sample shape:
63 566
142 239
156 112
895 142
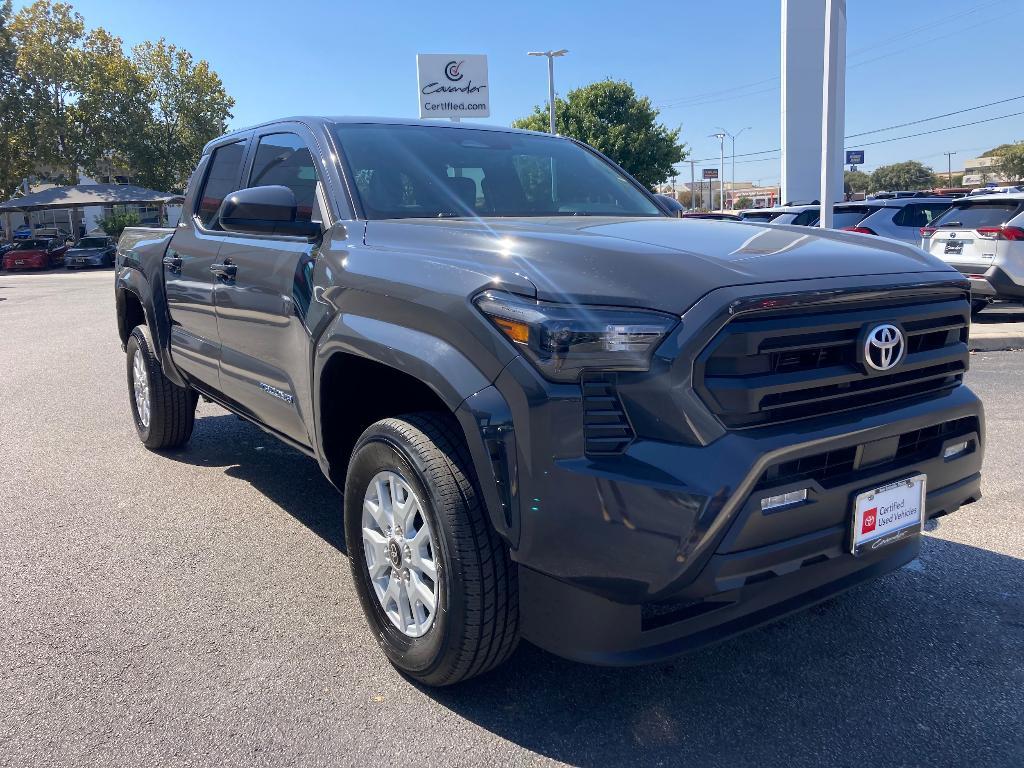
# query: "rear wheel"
164 413
434 578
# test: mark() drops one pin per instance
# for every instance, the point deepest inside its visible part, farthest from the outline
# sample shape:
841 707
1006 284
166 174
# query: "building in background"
980 171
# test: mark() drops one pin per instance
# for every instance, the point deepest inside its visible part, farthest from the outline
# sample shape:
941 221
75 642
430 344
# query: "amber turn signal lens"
518 332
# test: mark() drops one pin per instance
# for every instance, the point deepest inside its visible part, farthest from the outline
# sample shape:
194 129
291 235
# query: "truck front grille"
771 366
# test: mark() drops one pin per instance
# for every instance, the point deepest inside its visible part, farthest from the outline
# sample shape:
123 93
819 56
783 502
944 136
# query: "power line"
707 97
940 130
937 117
899 138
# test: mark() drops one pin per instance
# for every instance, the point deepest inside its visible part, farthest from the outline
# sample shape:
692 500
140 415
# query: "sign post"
453 85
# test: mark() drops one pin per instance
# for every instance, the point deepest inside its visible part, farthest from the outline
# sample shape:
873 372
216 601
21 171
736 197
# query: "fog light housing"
956 449
783 500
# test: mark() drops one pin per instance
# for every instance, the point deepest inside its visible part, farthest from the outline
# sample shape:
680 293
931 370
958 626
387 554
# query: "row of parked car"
45 250
981 235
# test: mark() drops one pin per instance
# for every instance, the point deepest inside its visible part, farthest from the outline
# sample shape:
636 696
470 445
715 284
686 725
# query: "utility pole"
693 184
551 55
949 166
833 88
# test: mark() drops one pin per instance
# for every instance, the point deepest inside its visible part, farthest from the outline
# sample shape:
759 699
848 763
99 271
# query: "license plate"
955 247
888 514
19 261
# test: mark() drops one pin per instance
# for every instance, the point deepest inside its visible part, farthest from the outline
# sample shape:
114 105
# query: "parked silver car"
897 218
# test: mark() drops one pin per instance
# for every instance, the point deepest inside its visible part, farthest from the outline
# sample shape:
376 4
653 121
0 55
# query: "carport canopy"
82 195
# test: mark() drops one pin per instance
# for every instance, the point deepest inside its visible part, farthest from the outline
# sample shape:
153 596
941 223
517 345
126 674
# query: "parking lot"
196 609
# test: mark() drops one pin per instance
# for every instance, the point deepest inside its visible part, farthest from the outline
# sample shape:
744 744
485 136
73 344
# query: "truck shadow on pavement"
286 477
922 667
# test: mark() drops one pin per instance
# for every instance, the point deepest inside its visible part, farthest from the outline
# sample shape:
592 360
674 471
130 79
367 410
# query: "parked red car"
36 253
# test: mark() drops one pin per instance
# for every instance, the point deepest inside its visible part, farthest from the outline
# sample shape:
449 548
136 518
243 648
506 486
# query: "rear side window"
965 215
918 214
766 216
806 218
221 181
284 159
850 217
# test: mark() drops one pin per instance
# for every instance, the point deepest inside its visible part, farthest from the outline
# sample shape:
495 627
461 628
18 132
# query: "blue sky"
705 64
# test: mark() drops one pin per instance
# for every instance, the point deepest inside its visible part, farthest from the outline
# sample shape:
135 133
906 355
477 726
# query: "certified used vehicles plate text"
888 514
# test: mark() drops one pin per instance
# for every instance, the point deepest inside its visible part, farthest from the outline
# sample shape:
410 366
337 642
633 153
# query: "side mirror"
267 210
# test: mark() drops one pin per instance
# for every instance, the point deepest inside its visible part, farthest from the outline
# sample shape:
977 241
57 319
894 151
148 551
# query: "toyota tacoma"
554 411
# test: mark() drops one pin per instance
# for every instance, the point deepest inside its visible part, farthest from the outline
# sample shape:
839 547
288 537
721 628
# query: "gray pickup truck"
554 411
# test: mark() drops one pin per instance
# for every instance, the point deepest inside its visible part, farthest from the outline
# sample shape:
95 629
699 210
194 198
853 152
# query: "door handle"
173 263
224 269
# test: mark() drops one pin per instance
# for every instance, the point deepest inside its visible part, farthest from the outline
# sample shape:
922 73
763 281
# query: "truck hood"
657 263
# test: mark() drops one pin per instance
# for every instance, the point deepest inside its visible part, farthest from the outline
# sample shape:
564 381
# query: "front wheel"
164 413
434 578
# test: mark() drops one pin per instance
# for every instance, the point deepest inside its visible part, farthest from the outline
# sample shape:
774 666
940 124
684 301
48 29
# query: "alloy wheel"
398 545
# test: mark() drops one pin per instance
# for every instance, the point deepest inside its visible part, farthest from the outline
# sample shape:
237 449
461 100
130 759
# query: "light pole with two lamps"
551 82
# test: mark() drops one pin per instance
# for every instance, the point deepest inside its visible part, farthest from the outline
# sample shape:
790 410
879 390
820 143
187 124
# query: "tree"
856 181
1011 161
14 163
685 198
189 108
48 38
743 202
115 223
609 116
908 175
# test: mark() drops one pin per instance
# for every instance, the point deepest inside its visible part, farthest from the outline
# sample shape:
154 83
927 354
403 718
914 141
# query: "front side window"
415 171
221 181
284 159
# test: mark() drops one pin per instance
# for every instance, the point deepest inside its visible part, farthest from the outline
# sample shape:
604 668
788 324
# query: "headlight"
564 339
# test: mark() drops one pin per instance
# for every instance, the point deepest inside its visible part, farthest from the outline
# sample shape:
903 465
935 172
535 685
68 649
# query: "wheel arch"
366 370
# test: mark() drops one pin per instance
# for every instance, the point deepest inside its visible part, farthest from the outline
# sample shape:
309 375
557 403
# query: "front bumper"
29 262
671 551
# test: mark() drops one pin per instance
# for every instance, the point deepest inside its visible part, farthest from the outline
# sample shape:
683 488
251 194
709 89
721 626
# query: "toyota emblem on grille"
884 347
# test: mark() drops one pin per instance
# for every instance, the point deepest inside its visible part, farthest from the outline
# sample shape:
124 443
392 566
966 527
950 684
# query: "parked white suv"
983 237
896 218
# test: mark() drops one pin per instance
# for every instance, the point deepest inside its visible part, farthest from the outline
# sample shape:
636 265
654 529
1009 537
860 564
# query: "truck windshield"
419 171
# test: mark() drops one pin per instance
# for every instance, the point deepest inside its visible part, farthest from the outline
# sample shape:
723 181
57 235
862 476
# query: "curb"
996 343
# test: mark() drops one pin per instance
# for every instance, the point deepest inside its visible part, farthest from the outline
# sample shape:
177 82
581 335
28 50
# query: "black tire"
978 304
476 623
172 409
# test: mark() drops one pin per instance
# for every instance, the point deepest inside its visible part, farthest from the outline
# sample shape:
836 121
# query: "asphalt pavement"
195 608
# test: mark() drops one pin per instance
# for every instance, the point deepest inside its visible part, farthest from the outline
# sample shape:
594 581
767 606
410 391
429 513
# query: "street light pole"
733 137
721 170
551 83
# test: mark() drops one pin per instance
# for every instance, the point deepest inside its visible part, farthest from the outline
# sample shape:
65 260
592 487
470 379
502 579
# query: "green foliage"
189 107
908 175
72 98
743 202
1011 161
996 150
856 181
609 116
14 161
114 223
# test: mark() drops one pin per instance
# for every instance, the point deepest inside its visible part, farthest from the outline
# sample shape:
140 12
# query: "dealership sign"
453 85
710 173
855 157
